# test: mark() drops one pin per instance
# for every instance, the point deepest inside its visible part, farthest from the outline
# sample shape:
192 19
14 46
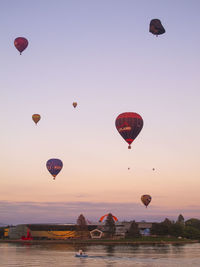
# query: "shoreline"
102 242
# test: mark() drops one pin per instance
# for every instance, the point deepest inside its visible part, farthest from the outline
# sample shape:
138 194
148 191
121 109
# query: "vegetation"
133 231
181 219
2 232
82 229
110 227
189 229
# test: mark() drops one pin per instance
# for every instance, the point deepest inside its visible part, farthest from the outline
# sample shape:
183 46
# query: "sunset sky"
100 54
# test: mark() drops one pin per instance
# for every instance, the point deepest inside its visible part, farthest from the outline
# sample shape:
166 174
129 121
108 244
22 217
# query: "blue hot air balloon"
54 166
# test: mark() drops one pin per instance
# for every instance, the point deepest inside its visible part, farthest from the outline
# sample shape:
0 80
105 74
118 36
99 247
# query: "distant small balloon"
153 169
54 166
146 199
36 118
74 104
21 44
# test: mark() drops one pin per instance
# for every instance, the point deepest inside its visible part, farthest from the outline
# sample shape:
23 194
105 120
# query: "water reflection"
110 250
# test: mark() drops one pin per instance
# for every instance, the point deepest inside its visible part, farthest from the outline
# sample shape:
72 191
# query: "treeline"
180 228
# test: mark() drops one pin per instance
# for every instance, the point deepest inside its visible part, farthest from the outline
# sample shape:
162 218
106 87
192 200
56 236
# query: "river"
60 255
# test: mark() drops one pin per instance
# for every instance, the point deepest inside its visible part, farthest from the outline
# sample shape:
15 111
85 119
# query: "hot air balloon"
156 27
102 218
54 166
21 44
74 104
129 125
146 199
36 118
153 169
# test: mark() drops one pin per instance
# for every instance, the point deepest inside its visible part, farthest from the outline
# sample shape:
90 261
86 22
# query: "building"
46 231
70 231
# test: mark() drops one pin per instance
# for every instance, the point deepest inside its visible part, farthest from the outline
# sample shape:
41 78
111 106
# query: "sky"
101 55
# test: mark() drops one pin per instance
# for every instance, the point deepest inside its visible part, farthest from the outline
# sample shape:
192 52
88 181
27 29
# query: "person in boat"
80 252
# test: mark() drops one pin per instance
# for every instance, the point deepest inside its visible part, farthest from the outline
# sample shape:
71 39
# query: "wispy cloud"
67 212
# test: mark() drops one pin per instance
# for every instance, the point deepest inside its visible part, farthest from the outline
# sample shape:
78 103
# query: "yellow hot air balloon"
36 118
74 104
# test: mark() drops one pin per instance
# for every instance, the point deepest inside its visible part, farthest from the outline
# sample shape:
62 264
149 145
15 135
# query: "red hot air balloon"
129 125
21 44
102 218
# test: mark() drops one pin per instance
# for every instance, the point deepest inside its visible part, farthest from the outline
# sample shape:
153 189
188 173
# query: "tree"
82 228
110 227
162 228
191 232
180 219
176 229
193 222
133 230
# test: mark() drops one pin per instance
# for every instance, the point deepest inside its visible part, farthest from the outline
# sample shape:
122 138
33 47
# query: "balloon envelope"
129 125
21 44
74 104
36 118
102 218
54 166
156 27
146 199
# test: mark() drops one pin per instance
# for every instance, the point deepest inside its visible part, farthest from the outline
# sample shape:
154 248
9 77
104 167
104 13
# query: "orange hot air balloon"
21 44
74 104
36 118
146 199
156 27
129 125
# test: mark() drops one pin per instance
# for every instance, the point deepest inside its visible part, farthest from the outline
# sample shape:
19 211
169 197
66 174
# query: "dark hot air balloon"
21 44
156 27
129 125
146 199
54 166
36 118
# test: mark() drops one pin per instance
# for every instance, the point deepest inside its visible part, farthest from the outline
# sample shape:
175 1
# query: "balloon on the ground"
21 44
102 218
54 166
129 125
156 27
36 118
146 199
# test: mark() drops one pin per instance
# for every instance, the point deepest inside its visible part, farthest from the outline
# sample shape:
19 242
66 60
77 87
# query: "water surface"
47 255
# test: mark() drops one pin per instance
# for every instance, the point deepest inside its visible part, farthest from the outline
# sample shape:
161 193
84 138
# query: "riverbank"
139 241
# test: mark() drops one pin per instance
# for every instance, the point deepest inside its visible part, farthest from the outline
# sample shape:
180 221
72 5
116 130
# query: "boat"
81 255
